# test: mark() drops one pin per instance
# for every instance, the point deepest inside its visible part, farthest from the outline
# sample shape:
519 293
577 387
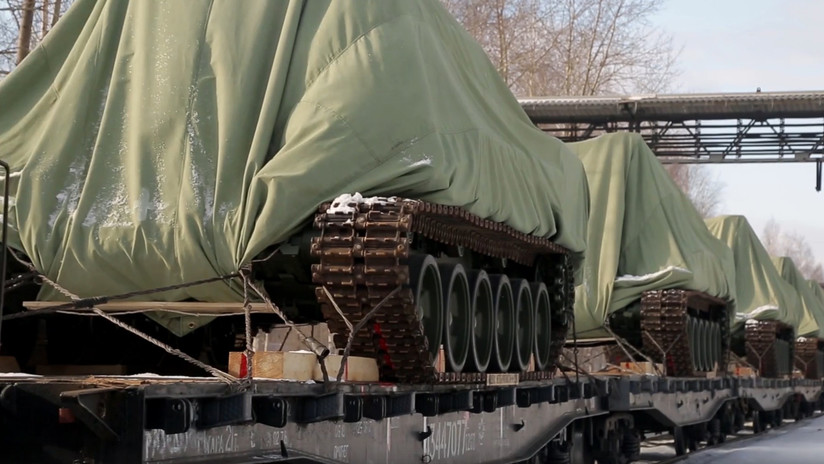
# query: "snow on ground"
800 443
793 443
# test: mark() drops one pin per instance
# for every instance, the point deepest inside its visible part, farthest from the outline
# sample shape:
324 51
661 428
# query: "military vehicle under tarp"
811 307
762 293
159 142
770 311
644 234
817 290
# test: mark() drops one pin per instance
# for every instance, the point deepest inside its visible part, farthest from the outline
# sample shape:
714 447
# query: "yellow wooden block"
743 371
284 365
283 338
644 367
357 369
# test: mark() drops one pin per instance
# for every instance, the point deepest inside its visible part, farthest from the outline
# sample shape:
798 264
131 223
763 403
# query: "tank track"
809 357
664 324
363 249
766 341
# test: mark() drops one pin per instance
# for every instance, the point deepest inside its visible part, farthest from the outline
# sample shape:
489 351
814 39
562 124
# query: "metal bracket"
506 397
320 408
425 434
224 410
172 415
484 402
519 426
381 407
271 411
90 407
561 394
427 404
455 401
526 397
352 408
432 404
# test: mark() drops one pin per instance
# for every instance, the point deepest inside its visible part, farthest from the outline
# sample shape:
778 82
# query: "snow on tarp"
762 293
643 228
811 308
160 142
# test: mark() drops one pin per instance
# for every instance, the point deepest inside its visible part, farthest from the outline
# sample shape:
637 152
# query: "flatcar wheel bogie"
581 450
739 419
756 423
714 432
559 452
778 418
679 441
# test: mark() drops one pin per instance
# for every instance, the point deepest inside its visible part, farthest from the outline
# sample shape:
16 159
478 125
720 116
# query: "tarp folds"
165 141
644 234
811 308
762 293
818 292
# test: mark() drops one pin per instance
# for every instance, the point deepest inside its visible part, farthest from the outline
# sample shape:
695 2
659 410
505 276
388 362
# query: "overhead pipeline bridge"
759 127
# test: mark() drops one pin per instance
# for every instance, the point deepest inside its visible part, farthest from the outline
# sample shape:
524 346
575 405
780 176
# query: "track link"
363 249
763 350
809 357
664 317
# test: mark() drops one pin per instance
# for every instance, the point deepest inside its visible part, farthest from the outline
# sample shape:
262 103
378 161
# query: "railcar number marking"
449 439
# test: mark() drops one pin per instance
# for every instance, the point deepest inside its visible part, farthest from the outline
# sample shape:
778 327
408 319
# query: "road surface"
797 443
793 443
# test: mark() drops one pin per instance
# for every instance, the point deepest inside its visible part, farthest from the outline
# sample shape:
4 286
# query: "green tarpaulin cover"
762 293
818 292
811 308
644 234
164 141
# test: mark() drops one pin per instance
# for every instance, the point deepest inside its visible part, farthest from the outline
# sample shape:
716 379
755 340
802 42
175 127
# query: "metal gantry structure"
757 127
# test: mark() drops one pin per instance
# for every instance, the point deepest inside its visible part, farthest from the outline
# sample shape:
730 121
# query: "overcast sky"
737 46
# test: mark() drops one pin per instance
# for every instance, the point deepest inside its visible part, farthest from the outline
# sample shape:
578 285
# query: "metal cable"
623 343
315 346
174 351
338 310
247 319
81 303
358 327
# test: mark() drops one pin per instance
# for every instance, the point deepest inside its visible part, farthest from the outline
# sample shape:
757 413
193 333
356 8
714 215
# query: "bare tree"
23 24
571 47
701 187
771 237
793 245
583 47
24 38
